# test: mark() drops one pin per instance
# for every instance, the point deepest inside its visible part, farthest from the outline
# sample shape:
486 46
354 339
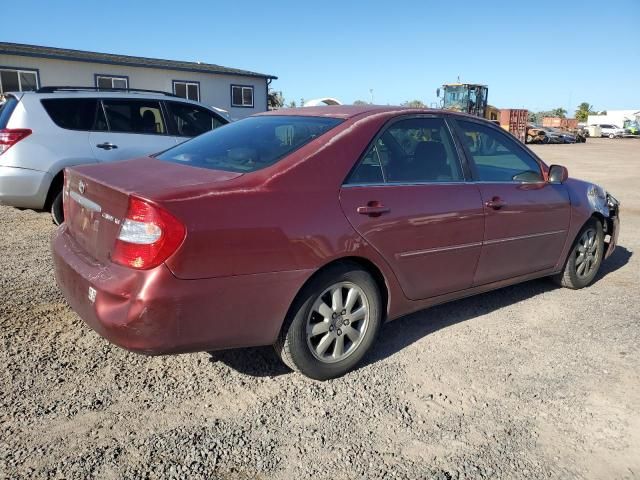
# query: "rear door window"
76 113
135 116
414 150
6 110
191 120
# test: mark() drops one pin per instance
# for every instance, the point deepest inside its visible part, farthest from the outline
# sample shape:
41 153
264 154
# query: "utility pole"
371 93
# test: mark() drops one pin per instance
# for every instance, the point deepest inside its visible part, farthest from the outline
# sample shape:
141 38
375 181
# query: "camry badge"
81 186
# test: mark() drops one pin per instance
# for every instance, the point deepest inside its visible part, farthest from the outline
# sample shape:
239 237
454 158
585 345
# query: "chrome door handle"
107 146
373 209
496 203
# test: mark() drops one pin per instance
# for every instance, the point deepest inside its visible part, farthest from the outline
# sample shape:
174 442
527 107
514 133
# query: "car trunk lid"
97 196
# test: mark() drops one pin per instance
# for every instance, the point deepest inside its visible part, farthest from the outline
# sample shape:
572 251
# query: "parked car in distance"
565 136
45 131
611 131
308 228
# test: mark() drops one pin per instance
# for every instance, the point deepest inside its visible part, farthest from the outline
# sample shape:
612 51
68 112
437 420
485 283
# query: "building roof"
113 59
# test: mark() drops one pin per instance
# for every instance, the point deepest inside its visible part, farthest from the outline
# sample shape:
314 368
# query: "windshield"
456 97
249 144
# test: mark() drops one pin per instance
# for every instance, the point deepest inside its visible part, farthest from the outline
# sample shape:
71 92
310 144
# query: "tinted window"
250 144
76 113
6 110
413 150
191 120
497 157
134 116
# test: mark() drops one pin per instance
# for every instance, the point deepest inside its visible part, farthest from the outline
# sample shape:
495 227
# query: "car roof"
101 94
350 111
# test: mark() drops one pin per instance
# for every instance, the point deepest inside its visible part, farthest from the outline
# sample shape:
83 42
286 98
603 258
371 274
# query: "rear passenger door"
190 120
408 198
130 128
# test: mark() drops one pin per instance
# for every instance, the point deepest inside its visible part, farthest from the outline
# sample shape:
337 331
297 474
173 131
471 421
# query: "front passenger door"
526 218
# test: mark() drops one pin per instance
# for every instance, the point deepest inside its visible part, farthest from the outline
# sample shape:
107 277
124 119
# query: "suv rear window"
76 113
6 110
250 144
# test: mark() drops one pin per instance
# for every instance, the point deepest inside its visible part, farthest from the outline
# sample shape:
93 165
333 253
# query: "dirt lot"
531 381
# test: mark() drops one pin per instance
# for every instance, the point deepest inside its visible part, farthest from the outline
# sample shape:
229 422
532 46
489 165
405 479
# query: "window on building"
241 96
107 81
188 90
17 80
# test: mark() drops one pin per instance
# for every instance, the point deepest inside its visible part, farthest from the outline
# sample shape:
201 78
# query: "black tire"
57 212
296 348
571 276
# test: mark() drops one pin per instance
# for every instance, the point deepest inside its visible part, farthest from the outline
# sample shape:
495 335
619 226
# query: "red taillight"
10 136
148 236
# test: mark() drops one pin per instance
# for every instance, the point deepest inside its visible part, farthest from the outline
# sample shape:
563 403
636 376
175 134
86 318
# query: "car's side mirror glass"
558 174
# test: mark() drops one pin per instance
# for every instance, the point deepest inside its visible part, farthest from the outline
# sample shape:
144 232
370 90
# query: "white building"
29 67
615 117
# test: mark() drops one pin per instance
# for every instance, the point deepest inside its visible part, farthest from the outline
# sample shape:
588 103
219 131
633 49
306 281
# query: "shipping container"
514 120
557 122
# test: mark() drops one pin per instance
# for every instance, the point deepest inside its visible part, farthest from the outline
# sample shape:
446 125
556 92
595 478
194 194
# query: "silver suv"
45 131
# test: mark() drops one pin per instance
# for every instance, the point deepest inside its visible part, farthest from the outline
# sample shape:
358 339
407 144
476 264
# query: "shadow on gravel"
255 361
263 361
618 259
406 330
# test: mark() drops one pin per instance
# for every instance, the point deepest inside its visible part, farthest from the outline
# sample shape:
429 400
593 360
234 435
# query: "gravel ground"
530 381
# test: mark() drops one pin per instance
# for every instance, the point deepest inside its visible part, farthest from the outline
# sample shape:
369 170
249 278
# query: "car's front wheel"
333 323
585 257
611 135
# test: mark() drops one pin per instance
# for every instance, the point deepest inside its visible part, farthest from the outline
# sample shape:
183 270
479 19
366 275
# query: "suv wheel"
333 323
57 213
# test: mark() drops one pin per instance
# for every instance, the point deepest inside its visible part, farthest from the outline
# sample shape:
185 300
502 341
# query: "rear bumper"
154 312
22 187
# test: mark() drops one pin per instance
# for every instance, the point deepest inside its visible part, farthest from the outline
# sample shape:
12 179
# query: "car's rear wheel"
585 257
333 323
57 212
611 135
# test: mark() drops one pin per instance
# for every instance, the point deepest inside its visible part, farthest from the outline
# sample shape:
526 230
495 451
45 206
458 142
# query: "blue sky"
532 54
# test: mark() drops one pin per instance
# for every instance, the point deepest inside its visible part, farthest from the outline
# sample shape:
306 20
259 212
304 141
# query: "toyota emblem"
81 186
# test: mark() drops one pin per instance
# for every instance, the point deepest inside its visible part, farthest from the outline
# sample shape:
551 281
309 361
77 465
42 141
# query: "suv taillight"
10 136
148 236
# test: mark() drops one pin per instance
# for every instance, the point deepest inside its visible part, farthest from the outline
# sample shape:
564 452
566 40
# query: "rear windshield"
6 110
250 144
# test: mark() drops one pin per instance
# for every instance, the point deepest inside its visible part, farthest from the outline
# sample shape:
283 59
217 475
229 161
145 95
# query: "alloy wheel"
337 322
587 253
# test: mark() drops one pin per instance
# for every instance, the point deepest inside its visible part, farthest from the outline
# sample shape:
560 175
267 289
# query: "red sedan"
309 228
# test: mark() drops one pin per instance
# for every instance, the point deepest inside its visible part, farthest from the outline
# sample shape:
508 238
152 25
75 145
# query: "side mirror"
558 174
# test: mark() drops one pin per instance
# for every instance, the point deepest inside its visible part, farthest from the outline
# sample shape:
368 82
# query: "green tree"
559 112
583 111
360 102
292 104
275 100
414 104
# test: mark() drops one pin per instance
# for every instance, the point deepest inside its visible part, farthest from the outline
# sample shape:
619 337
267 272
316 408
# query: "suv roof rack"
53 89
